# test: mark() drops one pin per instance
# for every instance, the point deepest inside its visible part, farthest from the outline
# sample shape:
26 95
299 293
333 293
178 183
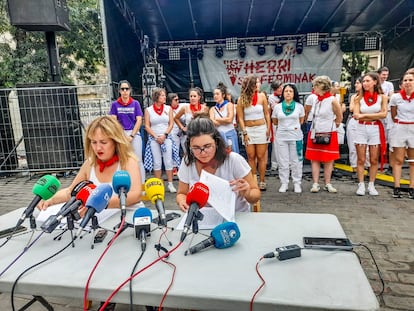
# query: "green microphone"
43 189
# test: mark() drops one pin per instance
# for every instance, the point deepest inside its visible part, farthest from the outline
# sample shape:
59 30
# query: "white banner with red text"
288 67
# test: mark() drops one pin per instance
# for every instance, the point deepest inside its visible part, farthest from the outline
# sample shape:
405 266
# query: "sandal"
262 186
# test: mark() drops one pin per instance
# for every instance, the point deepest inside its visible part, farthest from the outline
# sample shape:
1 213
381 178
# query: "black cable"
376 266
31 267
131 303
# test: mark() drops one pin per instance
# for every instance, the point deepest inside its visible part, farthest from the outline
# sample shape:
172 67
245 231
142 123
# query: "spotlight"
279 49
219 52
242 50
200 53
261 49
299 47
324 46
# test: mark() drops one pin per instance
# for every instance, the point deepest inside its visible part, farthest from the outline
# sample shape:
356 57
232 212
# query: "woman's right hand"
43 205
246 139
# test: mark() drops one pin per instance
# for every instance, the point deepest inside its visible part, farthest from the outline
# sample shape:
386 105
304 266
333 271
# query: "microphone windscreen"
225 234
121 179
142 212
46 187
84 193
99 198
79 186
198 193
154 189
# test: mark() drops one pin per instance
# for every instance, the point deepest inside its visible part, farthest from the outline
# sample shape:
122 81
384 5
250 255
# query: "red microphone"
197 197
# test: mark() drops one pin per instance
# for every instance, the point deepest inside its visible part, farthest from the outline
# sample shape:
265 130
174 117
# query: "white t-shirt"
387 87
405 109
311 100
288 127
324 116
234 166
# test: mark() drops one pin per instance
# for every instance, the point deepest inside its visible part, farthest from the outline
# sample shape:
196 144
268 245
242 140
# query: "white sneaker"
361 189
297 188
371 189
315 188
283 188
172 188
330 188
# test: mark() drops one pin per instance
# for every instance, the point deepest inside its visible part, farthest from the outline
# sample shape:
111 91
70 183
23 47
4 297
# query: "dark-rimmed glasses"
206 148
124 88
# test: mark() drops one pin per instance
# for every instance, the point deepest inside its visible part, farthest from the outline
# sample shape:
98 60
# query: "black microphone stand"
126 224
32 222
70 225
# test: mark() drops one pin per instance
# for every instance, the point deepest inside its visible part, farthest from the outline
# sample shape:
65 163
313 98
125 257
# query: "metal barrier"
42 126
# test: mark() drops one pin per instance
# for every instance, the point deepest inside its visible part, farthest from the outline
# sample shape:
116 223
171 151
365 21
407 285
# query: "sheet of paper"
221 197
211 219
54 209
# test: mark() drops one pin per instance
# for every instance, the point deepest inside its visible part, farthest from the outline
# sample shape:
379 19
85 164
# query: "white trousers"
289 162
158 156
137 146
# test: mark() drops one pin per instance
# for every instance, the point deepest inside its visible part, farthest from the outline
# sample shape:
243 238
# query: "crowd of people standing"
280 129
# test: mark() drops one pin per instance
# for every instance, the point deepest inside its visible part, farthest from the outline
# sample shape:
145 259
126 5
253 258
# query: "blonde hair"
248 88
323 82
113 129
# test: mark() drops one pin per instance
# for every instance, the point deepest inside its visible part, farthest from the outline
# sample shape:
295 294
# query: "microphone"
197 197
154 189
80 199
96 203
43 189
142 222
222 236
121 182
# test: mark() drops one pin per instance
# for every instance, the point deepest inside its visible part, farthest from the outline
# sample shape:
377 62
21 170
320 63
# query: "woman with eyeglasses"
254 120
129 114
206 150
222 115
160 146
288 117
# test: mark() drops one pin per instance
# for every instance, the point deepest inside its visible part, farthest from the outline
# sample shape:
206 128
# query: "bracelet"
166 134
244 132
132 135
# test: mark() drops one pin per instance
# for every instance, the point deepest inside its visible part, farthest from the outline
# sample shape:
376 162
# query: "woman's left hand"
240 185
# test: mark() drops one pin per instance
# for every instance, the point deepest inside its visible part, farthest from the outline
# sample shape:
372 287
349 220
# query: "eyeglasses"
176 99
206 148
124 88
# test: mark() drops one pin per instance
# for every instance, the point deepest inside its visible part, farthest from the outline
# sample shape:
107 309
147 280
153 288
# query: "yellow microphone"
154 189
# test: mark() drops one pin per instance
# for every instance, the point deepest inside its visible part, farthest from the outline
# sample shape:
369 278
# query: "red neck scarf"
195 108
370 99
158 110
119 100
176 107
103 164
324 96
254 99
405 97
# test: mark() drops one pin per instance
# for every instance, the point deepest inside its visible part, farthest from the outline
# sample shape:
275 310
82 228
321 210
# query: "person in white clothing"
288 117
160 146
177 134
107 150
402 134
273 100
206 150
369 109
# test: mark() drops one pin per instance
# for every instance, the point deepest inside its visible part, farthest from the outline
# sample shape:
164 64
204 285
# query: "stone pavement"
384 224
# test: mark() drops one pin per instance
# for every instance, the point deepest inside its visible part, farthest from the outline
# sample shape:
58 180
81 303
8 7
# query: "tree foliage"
354 65
80 49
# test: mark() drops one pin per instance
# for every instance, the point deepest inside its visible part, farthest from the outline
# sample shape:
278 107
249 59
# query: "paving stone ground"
384 224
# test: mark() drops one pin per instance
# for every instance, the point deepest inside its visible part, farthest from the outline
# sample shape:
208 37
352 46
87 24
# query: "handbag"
322 138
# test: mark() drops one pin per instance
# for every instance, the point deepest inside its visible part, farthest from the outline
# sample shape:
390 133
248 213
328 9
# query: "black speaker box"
51 125
7 144
39 15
